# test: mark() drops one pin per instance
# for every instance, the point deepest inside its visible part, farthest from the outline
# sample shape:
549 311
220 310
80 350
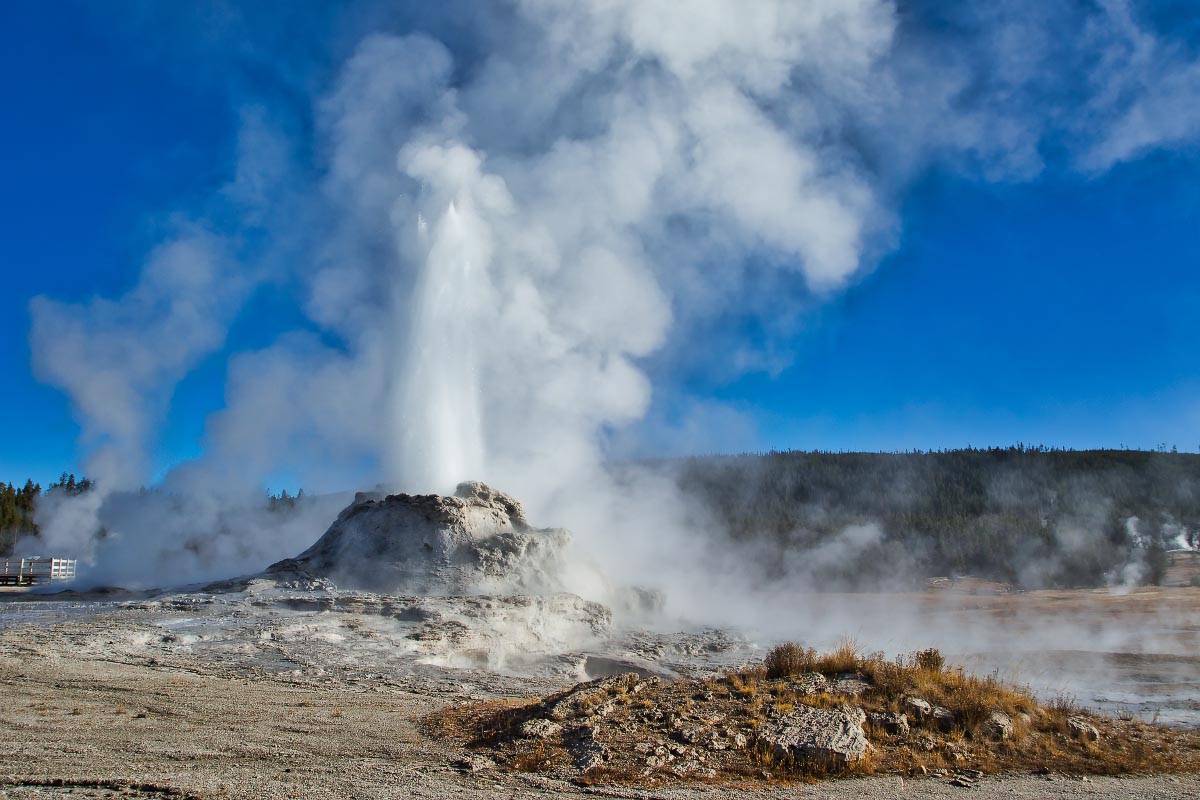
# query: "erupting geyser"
439 406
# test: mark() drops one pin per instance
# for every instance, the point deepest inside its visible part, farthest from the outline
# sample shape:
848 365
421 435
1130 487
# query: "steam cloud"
509 233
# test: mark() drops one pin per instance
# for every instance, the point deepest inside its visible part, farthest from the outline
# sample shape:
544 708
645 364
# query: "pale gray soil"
107 729
215 697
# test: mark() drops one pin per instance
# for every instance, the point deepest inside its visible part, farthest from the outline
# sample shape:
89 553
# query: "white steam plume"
511 245
119 360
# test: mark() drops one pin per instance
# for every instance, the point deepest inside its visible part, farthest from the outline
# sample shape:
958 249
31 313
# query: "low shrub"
789 659
930 660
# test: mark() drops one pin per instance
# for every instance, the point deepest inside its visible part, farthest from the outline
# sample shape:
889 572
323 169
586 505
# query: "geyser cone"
475 541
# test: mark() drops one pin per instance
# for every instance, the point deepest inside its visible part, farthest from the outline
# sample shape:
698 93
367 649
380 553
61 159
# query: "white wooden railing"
30 571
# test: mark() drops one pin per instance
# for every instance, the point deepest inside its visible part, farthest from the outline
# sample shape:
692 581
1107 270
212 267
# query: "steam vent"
476 541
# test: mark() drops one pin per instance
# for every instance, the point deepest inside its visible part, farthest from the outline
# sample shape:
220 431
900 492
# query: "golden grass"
790 659
537 758
1041 736
477 724
749 700
921 674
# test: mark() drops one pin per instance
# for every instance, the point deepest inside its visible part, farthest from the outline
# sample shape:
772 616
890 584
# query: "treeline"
284 501
18 505
1029 516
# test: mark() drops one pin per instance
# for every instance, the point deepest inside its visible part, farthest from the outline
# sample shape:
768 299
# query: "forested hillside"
1028 516
1031 517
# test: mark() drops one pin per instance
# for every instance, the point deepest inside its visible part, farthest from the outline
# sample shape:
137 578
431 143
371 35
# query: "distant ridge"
1029 516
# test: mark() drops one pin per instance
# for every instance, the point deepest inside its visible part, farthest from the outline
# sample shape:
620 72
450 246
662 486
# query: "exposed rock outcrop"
921 709
595 698
539 728
998 725
809 683
1080 728
807 733
894 723
943 719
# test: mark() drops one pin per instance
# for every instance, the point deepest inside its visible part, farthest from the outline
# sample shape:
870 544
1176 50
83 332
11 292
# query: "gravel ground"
89 722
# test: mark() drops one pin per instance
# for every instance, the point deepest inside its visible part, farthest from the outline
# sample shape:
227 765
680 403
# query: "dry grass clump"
475 723
970 698
922 674
537 758
930 660
790 659
745 683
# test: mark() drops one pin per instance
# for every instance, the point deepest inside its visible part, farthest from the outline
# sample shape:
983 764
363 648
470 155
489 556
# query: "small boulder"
716 741
692 769
1080 728
691 732
918 708
656 761
587 752
850 683
998 726
595 698
943 719
894 723
474 763
808 683
539 728
807 732
657 756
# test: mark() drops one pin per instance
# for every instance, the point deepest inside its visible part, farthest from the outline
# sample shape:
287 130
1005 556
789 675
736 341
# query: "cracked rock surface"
476 540
832 735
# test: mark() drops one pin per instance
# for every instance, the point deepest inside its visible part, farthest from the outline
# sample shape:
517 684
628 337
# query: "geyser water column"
439 409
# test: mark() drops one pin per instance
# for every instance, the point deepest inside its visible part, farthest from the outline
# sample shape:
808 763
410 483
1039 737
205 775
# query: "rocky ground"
219 696
824 716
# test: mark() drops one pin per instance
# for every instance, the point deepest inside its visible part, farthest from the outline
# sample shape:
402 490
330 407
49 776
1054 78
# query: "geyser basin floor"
94 726
284 693
1134 654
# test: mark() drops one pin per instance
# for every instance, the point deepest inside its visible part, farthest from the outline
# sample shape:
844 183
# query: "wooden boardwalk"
35 571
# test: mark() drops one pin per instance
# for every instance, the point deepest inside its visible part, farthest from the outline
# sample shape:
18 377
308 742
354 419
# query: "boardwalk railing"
36 570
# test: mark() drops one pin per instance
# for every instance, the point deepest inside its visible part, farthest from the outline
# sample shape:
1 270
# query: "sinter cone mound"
475 541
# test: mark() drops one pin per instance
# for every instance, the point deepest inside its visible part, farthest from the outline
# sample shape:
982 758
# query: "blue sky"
99 142
1057 310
